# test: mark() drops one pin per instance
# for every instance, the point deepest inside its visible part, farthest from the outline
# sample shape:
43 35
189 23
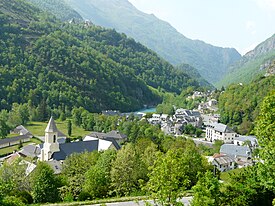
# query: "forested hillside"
44 62
193 72
211 62
240 103
252 65
60 9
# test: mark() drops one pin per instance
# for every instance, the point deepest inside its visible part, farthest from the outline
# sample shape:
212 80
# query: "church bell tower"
50 145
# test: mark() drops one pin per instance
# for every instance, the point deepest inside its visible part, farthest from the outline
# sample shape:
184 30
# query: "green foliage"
66 65
69 127
98 177
265 131
168 178
206 191
212 62
239 104
12 201
11 178
59 8
74 169
127 170
44 184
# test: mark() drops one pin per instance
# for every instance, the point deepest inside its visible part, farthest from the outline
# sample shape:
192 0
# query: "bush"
12 201
83 196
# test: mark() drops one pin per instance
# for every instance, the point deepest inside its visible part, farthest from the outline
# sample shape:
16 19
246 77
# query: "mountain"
51 64
212 62
192 72
252 64
59 8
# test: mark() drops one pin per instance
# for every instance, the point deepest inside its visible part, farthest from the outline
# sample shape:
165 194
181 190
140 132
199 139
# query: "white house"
218 131
241 140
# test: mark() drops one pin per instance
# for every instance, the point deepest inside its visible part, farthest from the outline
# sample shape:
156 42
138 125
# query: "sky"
241 24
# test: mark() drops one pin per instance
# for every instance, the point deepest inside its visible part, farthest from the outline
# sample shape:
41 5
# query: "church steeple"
51 127
50 145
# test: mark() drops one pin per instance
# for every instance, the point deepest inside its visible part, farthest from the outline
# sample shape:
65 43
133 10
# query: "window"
54 139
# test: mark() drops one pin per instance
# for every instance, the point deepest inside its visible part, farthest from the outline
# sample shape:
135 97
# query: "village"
236 150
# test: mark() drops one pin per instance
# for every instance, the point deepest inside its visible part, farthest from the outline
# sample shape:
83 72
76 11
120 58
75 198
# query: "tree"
265 132
127 170
44 184
98 178
168 178
206 191
4 129
74 168
69 127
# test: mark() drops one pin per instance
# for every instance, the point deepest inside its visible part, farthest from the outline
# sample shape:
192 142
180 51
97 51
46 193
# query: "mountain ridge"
65 65
253 64
212 62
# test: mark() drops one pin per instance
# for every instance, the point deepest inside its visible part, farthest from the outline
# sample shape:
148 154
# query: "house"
8 142
104 144
185 116
239 153
223 162
212 102
30 150
218 131
110 136
251 140
21 130
52 150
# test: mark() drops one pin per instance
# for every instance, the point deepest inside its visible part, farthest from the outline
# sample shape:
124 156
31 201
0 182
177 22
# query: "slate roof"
21 129
221 128
97 134
224 160
252 139
235 150
51 127
13 139
30 151
75 147
55 165
115 134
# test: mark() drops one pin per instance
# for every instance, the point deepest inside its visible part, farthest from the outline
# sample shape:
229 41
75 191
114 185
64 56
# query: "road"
185 200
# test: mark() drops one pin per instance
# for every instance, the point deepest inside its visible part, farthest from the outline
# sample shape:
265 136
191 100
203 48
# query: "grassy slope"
38 128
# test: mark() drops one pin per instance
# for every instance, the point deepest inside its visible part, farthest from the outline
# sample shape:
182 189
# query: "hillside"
212 62
252 65
192 72
240 103
47 63
60 9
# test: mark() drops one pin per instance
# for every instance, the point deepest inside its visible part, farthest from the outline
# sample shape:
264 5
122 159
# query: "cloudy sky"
241 24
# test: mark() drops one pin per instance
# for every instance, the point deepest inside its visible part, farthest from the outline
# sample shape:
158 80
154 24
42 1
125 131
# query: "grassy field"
8 150
38 128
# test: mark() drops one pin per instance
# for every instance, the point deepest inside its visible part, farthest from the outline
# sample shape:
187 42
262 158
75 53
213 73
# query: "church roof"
51 127
75 147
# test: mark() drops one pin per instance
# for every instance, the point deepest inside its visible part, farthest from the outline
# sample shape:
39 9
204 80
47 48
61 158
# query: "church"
53 150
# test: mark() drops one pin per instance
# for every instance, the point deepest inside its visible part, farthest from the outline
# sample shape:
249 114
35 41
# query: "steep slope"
192 72
212 62
252 65
59 8
239 104
48 63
